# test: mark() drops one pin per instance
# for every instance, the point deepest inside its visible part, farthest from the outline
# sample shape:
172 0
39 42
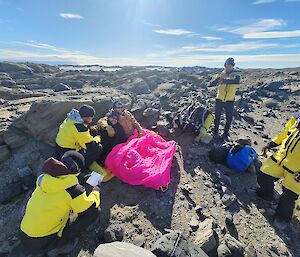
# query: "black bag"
219 154
192 119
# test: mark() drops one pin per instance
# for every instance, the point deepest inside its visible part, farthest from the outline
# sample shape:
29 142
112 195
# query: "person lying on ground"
127 120
285 165
227 82
47 225
74 134
111 133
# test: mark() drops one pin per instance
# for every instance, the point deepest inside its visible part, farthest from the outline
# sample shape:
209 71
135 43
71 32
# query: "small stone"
194 224
228 199
139 241
205 236
223 251
233 244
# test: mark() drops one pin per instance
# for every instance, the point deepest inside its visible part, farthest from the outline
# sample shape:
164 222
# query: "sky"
257 33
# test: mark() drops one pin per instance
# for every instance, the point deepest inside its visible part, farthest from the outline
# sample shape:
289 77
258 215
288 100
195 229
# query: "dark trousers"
91 153
287 199
42 245
229 108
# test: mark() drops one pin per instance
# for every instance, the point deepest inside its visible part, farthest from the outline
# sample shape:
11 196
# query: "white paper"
95 179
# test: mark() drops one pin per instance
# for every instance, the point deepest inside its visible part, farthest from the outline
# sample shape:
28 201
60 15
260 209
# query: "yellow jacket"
74 135
226 87
289 152
51 203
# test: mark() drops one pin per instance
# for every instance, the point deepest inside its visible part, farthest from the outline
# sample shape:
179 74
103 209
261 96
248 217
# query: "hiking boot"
263 195
280 223
64 249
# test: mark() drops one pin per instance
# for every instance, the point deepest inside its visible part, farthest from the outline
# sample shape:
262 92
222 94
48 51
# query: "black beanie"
73 160
230 61
86 111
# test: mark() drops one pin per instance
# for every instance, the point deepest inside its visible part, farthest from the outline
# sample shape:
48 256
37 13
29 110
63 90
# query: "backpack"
240 158
192 119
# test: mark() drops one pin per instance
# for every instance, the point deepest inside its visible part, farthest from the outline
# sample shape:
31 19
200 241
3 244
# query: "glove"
296 115
268 147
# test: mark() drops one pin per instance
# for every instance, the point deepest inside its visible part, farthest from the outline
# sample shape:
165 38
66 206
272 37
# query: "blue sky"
258 33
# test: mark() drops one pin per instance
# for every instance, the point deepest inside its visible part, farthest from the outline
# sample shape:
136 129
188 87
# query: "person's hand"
141 133
223 75
265 149
94 130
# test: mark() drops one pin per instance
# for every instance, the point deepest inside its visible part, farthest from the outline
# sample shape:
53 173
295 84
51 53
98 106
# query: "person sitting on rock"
48 224
111 133
74 134
227 82
285 165
127 120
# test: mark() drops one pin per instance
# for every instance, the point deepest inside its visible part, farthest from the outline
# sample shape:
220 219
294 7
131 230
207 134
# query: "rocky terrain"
212 207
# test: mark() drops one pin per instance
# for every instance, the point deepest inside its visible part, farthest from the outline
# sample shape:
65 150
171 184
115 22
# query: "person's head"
118 106
74 161
112 117
87 113
229 64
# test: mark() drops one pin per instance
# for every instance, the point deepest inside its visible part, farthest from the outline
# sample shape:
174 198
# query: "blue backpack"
240 159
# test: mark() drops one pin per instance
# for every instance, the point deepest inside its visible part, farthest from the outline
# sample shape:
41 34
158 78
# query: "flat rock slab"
121 249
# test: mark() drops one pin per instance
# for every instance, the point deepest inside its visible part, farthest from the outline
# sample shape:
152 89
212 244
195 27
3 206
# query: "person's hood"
55 177
74 115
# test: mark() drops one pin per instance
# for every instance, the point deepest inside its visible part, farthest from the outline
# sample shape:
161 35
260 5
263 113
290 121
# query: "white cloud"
35 44
70 16
174 32
272 60
210 48
272 34
149 24
258 26
209 38
264 1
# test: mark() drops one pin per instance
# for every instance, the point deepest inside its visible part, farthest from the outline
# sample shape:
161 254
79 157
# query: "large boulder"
8 83
44 118
4 153
60 87
14 67
15 138
121 249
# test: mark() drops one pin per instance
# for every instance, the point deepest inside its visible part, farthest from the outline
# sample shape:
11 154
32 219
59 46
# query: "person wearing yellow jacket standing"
227 82
285 165
46 226
74 134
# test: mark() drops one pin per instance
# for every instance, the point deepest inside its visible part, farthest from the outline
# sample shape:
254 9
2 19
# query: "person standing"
284 165
227 82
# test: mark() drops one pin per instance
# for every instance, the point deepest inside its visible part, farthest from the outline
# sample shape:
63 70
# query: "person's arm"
83 135
280 137
81 200
214 80
103 124
135 123
235 80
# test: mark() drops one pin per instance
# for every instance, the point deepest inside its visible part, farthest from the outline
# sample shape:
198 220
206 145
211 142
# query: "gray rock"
223 251
233 244
250 251
205 236
9 191
8 83
4 153
14 138
14 67
176 245
194 224
228 199
150 112
139 241
60 87
114 232
248 119
270 103
121 249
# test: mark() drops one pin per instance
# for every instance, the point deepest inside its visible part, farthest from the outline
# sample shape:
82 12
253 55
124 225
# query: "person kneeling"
47 225
74 134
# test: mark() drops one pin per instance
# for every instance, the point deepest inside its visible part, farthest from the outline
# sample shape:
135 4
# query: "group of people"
65 202
48 227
